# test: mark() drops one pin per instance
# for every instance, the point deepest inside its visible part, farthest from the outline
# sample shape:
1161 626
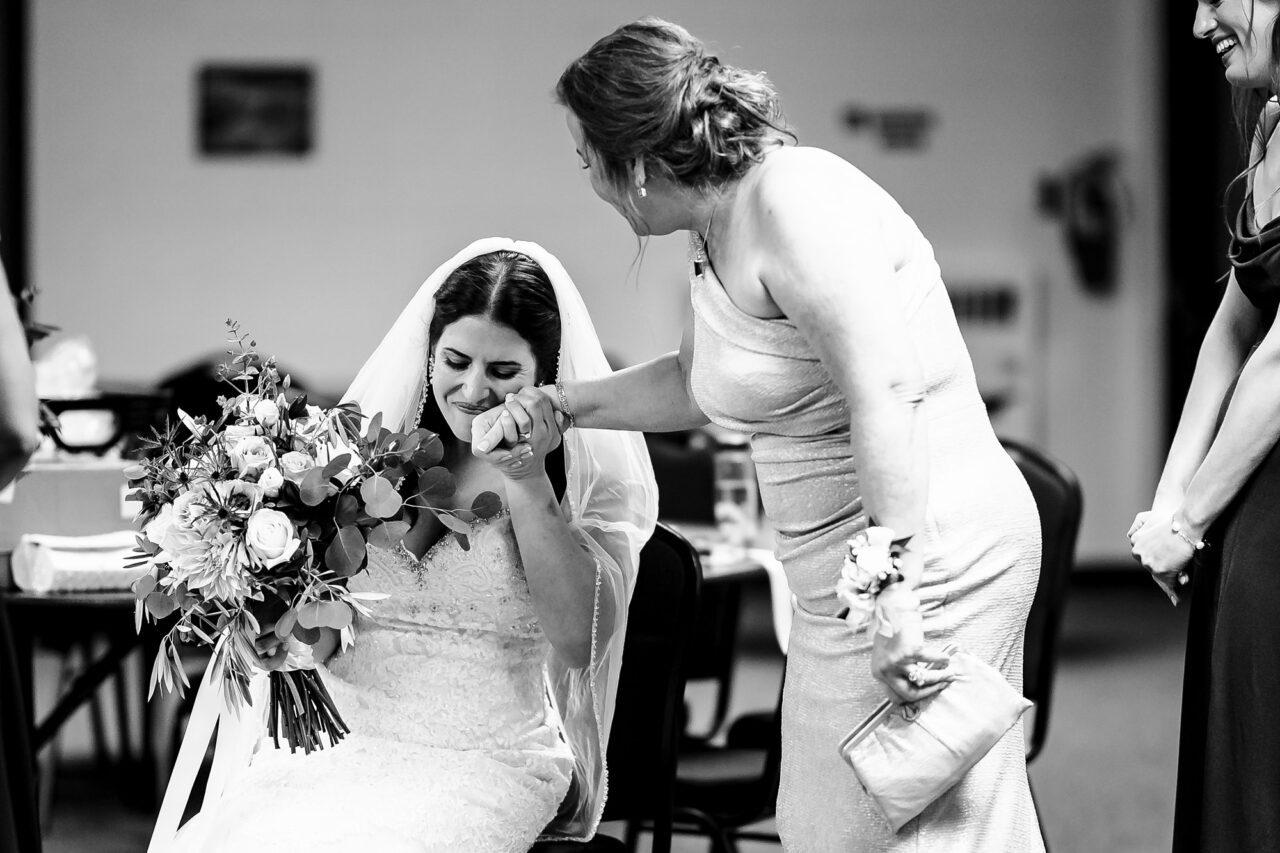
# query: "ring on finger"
915 673
524 436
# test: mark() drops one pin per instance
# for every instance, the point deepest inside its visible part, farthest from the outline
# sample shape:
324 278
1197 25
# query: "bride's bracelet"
564 402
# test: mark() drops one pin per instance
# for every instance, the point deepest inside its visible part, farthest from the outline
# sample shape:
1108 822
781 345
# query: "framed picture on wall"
245 110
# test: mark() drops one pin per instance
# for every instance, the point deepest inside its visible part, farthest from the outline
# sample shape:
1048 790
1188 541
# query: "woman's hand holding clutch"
900 661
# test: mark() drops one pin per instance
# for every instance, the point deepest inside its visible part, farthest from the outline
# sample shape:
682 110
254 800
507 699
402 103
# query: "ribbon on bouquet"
239 730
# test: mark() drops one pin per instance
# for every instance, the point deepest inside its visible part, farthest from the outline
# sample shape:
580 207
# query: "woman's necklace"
1258 209
706 232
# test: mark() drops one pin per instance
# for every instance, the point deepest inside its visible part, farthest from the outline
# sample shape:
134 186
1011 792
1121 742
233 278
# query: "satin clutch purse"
907 755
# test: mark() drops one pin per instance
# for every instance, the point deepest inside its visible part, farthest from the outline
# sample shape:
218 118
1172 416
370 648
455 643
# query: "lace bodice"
454 657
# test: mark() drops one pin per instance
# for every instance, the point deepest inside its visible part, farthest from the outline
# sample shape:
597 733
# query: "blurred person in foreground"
19 437
1213 527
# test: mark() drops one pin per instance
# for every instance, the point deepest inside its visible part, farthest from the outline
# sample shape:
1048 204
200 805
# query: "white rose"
252 455
295 465
271 481
271 537
233 433
156 528
267 413
874 560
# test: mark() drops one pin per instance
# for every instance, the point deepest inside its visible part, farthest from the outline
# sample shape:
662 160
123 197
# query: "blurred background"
301 165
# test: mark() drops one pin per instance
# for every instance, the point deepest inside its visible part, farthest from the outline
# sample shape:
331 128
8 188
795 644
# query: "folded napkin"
74 563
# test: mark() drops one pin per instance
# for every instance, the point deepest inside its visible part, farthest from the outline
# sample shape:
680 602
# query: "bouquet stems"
301 709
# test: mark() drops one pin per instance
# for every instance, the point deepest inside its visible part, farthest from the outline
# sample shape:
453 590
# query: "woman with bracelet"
821 328
1221 486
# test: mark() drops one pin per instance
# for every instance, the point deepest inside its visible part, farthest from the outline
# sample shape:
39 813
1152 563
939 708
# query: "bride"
480 693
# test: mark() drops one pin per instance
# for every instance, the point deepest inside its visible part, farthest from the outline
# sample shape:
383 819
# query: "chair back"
646 720
1060 503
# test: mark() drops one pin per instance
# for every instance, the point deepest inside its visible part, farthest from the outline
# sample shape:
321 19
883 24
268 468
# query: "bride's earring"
641 192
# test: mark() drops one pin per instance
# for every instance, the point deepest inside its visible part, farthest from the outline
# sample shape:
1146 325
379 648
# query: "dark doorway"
14 208
1202 156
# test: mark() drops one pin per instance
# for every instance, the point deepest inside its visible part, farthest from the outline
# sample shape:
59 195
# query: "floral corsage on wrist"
871 566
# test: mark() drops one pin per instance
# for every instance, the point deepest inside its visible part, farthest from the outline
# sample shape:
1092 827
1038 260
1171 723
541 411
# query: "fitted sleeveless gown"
1229 756
454 744
981 544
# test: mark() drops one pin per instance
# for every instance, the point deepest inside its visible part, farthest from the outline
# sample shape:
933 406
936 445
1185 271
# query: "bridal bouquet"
255 521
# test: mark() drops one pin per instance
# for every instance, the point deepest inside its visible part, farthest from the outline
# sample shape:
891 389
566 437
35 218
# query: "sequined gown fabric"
981 544
454 744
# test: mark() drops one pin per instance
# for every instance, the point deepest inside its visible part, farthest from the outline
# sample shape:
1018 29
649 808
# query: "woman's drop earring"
642 192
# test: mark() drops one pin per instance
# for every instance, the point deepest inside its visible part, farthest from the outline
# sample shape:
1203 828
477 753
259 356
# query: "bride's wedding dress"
466 726
454 743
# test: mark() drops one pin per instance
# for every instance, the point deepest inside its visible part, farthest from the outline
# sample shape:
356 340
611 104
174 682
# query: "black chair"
646 720
720 790
1060 502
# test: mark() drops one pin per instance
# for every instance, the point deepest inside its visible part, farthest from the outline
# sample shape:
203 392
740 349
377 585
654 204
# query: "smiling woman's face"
477 363
1240 31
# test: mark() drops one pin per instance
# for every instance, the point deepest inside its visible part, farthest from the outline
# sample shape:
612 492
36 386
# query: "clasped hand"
516 435
1163 553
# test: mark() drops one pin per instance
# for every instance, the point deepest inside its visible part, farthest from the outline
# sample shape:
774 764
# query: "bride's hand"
497 427
529 430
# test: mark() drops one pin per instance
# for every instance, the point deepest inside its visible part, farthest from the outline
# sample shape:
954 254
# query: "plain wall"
435 126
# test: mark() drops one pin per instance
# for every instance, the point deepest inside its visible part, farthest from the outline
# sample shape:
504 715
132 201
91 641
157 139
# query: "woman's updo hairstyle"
508 288
650 90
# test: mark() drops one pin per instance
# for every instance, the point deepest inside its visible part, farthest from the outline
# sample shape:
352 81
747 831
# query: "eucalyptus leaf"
457 525
436 482
390 442
315 487
335 466
308 615
334 614
388 534
310 636
159 605
430 451
346 553
380 497
463 541
375 428
285 624
347 510
143 586
486 505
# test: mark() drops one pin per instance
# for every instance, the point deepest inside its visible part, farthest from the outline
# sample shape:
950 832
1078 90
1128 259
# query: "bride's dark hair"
508 288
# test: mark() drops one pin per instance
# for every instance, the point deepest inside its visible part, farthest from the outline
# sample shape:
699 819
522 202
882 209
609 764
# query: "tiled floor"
1104 783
